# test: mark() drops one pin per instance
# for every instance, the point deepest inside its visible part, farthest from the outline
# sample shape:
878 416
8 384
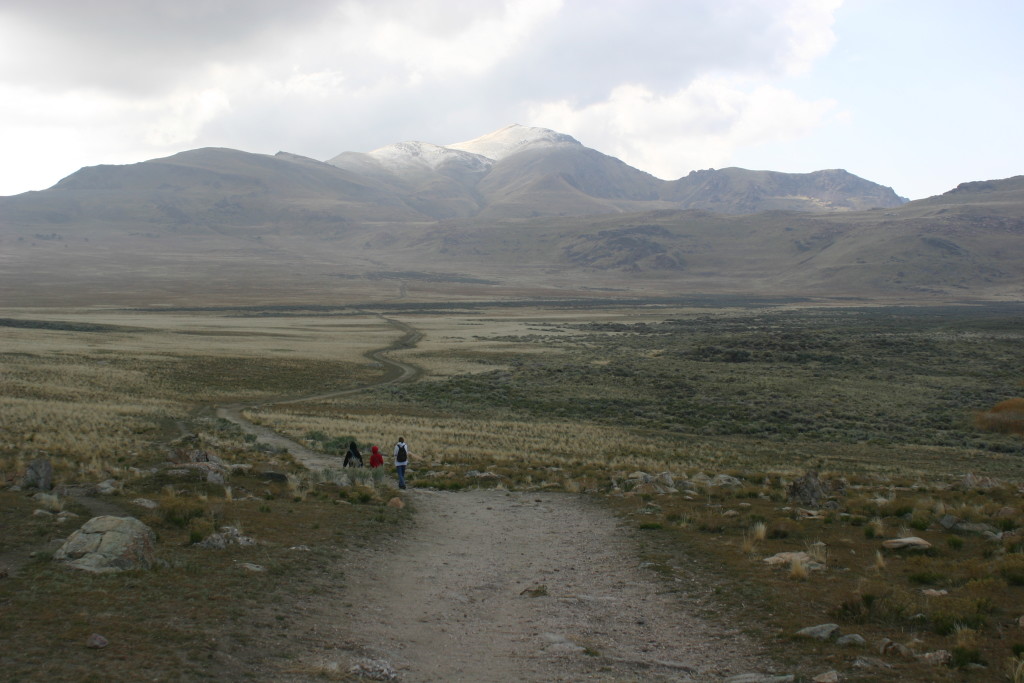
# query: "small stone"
146 503
851 639
96 641
827 677
819 632
249 566
908 543
937 658
933 593
870 663
891 647
374 669
725 480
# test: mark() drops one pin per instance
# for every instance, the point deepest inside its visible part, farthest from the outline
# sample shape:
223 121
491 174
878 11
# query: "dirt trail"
395 372
493 585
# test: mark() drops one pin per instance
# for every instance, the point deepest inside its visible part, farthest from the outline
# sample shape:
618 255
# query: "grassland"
879 401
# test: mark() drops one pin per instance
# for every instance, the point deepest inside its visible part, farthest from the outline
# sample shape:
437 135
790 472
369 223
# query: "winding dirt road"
395 372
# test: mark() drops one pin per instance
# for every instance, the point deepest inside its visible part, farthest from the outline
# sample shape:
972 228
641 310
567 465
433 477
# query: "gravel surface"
493 585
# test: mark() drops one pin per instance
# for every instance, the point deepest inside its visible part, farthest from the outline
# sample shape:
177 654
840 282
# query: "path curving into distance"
395 372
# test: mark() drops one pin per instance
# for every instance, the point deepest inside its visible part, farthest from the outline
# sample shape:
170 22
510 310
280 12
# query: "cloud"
699 126
107 81
138 47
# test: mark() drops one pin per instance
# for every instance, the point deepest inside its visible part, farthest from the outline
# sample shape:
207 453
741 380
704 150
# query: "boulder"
807 490
39 475
726 481
109 544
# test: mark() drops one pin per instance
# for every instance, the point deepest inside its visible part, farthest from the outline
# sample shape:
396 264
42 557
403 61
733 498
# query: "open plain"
598 491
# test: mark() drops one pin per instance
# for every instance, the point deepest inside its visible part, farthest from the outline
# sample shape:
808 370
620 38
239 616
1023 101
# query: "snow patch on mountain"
512 139
403 155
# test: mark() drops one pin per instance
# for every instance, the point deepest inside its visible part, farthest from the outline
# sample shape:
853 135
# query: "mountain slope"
739 191
545 217
212 188
525 171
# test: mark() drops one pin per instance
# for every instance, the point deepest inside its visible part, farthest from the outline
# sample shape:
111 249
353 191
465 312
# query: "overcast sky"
919 95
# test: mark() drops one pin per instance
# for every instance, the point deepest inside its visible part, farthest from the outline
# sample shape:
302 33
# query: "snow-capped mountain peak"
424 154
511 139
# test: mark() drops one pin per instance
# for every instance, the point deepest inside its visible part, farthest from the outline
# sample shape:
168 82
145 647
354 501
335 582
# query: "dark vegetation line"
979 307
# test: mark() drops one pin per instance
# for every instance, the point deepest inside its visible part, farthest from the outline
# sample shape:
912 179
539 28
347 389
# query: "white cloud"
663 84
182 117
699 126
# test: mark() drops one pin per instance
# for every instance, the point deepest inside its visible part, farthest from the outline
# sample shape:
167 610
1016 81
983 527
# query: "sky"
917 95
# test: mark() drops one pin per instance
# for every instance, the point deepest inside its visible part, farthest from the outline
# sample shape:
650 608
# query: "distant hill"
519 212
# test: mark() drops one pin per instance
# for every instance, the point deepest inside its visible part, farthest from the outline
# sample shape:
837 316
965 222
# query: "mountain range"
521 211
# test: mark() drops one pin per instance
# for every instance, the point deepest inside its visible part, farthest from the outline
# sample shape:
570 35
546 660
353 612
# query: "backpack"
403 455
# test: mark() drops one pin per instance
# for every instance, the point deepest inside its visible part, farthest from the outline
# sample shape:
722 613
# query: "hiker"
401 460
353 458
376 459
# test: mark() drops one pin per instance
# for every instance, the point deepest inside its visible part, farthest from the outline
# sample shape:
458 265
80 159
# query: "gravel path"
493 585
503 586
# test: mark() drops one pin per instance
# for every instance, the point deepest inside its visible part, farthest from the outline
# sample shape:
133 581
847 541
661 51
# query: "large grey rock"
807 490
725 480
109 544
39 474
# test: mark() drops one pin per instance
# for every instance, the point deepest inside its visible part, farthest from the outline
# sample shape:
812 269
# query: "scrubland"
886 404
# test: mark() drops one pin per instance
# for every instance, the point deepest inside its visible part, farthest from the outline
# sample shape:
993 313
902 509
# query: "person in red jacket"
376 459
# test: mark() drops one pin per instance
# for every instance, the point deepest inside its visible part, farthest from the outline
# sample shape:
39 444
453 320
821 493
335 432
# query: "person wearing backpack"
401 460
353 458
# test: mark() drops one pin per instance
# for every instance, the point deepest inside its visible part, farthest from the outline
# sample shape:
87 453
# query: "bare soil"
492 585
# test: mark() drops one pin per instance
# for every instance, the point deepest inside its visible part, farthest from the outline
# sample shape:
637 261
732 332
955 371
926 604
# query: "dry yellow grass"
101 386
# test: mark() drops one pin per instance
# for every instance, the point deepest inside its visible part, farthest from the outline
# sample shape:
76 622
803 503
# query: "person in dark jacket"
353 458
